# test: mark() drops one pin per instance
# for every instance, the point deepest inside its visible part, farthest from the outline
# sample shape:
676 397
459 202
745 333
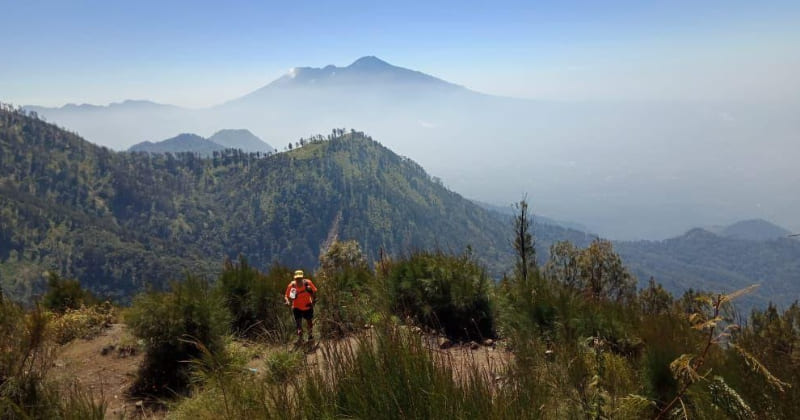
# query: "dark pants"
300 315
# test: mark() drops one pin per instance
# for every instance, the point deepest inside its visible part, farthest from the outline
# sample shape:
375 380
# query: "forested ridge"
121 222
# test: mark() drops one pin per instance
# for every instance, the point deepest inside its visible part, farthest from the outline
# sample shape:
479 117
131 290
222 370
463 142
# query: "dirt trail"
491 361
107 376
99 366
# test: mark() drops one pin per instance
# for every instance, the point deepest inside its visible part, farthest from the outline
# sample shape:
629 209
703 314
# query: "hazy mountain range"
241 139
122 221
625 170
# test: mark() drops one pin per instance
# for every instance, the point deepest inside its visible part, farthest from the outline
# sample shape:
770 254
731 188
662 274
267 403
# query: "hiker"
300 294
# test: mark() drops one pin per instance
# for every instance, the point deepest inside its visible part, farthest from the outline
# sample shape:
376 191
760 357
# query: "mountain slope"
703 260
185 142
240 139
366 71
121 221
629 170
755 230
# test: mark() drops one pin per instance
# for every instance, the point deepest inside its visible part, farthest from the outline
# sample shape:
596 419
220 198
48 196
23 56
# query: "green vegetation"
175 326
122 222
26 354
255 300
576 339
65 294
702 260
442 292
349 297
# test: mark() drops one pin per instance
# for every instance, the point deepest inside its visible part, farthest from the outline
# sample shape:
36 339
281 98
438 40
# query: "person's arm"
286 295
313 291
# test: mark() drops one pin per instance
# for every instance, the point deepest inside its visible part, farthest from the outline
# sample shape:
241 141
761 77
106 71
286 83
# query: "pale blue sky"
201 53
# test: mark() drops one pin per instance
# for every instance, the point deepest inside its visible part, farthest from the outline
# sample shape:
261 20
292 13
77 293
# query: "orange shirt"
303 299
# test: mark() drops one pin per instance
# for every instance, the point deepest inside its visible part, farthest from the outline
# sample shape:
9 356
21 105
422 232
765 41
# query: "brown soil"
104 376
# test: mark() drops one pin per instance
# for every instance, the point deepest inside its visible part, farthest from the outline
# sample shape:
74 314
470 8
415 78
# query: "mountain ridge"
121 222
240 139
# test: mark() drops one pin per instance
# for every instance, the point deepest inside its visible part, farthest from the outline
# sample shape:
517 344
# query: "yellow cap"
298 274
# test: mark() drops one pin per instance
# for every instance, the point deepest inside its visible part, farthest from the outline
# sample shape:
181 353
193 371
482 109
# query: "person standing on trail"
300 294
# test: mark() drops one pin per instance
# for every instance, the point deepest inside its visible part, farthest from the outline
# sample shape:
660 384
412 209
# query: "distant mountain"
185 142
240 139
703 260
755 229
366 72
628 169
538 219
129 104
121 221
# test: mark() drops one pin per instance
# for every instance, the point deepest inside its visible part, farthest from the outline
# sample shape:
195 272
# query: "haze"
638 120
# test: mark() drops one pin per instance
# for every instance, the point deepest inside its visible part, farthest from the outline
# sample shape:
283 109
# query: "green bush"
84 322
171 324
349 289
445 292
255 299
282 365
63 294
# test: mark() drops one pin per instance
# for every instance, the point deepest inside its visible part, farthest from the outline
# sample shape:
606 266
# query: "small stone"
107 349
488 342
474 346
445 344
140 403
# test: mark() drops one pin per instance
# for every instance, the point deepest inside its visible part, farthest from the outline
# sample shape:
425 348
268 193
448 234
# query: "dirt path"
491 361
104 367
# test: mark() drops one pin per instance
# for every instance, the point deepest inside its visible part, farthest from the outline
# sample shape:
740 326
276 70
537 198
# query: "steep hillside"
120 222
628 169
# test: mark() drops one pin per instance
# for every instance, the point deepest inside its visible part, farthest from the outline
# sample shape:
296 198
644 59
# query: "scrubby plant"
349 290
63 294
26 354
281 365
84 322
171 324
255 299
444 292
692 377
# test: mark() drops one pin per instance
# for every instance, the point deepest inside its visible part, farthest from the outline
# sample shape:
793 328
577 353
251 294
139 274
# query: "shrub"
282 365
64 294
445 292
82 322
255 300
348 286
171 323
26 354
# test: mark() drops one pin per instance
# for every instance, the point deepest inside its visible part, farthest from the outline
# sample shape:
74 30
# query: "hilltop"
120 222
627 169
240 139
186 142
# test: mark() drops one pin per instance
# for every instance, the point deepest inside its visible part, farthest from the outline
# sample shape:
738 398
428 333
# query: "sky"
198 54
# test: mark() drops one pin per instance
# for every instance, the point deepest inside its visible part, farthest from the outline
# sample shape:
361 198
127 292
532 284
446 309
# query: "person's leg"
310 322
298 322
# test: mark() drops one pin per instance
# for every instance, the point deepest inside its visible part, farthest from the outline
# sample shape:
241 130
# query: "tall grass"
27 351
